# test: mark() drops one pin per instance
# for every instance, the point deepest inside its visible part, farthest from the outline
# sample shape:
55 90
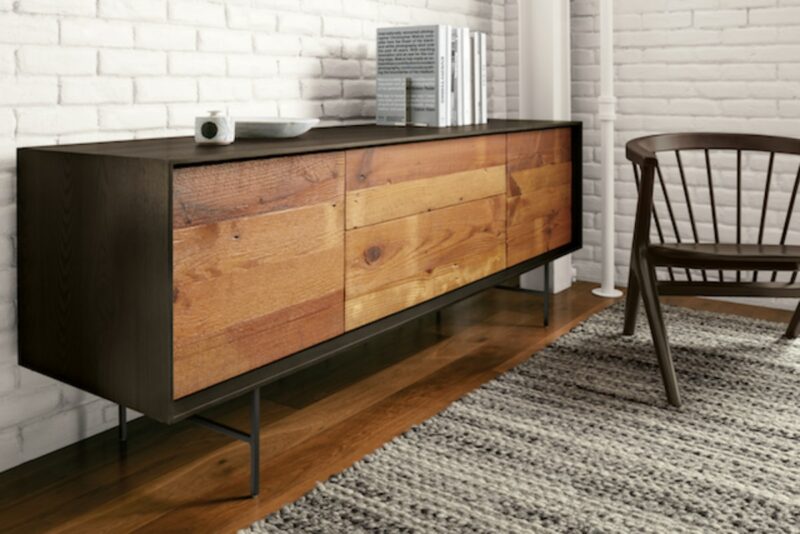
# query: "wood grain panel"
252 290
371 167
400 263
392 201
212 193
526 150
94 275
539 210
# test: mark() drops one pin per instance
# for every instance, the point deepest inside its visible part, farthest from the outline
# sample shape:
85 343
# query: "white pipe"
606 113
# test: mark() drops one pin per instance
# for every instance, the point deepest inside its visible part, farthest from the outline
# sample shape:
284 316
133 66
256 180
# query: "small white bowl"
255 127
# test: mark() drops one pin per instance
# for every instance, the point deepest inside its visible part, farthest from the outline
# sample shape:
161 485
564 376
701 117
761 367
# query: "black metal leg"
546 296
255 433
545 293
122 423
252 438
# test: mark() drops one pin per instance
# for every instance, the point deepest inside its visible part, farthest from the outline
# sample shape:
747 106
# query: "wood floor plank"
736 308
228 483
289 473
72 482
315 423
314 459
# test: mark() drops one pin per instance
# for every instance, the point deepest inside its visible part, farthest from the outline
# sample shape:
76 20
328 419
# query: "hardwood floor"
314 424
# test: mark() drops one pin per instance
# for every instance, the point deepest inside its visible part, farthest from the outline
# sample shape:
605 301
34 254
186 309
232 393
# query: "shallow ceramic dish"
273 128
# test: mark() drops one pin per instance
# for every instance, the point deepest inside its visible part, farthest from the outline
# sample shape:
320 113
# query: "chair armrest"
638 151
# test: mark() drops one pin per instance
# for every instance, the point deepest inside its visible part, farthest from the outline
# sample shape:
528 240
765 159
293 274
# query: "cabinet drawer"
391 182
212 193
539 193
258 255
397 264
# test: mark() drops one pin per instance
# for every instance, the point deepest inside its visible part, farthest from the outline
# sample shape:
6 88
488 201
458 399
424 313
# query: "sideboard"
168 277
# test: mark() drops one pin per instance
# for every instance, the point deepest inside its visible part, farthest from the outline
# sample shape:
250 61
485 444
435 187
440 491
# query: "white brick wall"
86 70
713 65
512 59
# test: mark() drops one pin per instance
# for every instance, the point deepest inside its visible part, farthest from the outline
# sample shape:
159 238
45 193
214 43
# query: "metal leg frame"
545 293
122 424
546 296
252 438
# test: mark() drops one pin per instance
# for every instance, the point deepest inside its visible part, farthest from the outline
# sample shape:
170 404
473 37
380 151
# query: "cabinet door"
422 219
539 168
399 263
258 254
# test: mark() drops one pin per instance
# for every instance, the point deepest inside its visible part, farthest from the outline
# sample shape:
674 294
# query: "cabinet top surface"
180 151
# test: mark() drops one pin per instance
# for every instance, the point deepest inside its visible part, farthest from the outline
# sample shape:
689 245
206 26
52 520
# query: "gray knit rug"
580 439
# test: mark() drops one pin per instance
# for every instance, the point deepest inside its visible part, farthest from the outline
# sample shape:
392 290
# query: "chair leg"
647 278
794 324
631 304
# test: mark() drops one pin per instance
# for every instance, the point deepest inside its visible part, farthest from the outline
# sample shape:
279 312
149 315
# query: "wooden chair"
712 266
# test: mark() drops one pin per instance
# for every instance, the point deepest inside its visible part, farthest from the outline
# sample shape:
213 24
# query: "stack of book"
431 76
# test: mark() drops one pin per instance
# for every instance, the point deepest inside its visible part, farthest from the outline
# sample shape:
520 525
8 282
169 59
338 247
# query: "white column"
544 90
606 113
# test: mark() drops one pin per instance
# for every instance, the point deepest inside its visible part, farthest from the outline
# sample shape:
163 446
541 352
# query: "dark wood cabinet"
168 277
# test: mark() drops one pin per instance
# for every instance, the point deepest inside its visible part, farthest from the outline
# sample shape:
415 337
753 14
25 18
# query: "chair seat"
726 256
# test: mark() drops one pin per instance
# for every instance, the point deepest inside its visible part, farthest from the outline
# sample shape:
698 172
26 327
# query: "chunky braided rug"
579 438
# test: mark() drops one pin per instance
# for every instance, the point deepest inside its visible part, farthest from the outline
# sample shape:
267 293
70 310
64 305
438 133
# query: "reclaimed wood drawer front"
539 193
391 182
212 193
399 263
258 256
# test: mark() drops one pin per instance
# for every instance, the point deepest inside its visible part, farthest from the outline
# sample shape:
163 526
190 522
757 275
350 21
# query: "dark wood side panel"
212 193
540 193
251 289
94 275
